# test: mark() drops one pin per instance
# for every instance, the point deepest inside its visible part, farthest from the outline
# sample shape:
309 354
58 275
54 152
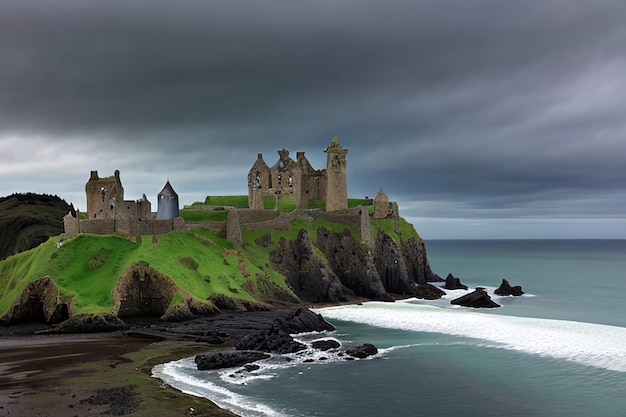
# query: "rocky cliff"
318 265
337 268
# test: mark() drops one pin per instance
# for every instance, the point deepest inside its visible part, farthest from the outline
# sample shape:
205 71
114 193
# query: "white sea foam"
270 368
181 374
585 343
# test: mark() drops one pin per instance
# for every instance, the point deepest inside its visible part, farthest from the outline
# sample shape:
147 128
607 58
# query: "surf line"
589 344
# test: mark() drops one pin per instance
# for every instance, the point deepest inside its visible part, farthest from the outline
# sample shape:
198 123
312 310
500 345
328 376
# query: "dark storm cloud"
507 106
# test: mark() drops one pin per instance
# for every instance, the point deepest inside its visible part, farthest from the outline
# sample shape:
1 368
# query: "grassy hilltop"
201 263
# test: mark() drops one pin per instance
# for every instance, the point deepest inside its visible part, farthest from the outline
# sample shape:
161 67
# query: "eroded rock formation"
143 291
306 273
39 302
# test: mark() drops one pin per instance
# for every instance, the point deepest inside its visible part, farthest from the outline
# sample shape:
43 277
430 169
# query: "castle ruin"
299 179
109 213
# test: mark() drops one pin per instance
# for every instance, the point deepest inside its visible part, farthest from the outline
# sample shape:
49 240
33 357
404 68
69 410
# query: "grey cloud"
495 104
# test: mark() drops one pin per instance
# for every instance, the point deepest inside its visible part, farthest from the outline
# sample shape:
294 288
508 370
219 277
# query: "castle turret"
336 189
259 178
168 203
381 205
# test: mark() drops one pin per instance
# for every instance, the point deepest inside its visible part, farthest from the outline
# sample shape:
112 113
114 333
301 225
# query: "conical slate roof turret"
168 203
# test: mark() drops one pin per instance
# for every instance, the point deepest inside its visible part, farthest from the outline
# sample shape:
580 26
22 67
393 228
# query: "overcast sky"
481 118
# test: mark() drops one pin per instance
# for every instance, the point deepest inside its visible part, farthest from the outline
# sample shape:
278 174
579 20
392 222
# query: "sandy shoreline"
92 374
88 375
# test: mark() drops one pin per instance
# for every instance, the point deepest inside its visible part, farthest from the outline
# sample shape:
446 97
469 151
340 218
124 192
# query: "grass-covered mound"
202 264
86 268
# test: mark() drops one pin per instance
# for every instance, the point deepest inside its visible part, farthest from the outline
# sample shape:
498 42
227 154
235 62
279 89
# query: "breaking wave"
589 344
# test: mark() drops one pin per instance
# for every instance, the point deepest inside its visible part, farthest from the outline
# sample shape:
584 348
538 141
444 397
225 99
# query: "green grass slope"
86 268
202 263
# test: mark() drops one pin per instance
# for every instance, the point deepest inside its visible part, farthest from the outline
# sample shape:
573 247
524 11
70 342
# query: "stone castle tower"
100 190
336 186
168 203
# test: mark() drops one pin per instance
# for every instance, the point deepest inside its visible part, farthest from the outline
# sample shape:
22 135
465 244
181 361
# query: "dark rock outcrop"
505 289
38 302
428 292
477 299
87 323
235 325
306 273
363 351
220 360
325 344
143 291
418 267
391 265
302 320
276 340
352 263
454 283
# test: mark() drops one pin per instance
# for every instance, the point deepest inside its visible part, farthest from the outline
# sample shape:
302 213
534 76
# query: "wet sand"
54 376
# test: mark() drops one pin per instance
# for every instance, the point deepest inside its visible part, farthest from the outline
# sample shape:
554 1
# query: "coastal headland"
86 314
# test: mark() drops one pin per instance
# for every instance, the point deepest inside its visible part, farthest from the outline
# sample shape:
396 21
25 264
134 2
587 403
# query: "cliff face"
306 273
354 270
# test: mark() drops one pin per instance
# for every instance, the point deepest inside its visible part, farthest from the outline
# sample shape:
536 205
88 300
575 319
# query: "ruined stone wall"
145 227
233 231
97 226
160 227
136 227
280 222
71 225
255 216
313 187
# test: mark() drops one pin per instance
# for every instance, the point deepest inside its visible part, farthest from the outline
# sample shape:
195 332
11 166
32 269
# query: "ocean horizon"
558 350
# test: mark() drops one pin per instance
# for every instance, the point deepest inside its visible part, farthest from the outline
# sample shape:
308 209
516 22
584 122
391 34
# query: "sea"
559 350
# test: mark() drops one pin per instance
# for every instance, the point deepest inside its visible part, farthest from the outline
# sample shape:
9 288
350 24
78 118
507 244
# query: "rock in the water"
325 344
363 351
428 292
506 289
454 283
477 299
221 360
